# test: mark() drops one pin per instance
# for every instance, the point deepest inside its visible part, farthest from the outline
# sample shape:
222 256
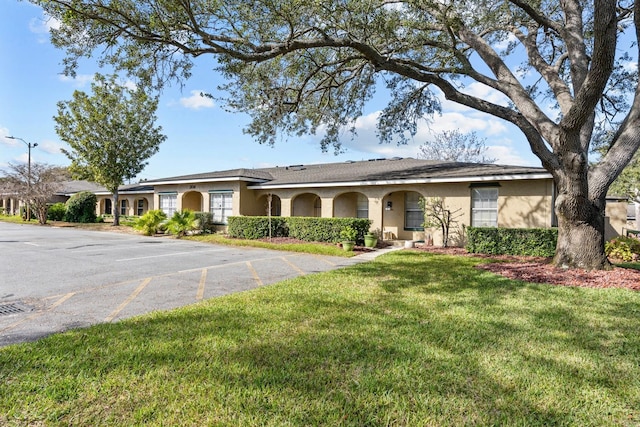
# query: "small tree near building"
35 187
111 134
436 214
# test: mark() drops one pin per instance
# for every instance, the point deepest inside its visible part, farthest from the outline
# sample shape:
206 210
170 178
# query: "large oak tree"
299 66
111 134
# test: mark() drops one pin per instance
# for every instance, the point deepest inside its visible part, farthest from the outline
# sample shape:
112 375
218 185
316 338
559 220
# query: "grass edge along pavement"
411 338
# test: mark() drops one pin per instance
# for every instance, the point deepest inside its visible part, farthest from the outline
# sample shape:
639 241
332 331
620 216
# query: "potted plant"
348 236
370 240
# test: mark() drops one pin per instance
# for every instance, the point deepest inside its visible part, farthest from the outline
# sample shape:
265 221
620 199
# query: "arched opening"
108 210
192 200
273 208
307 204
142 206
351 205
402 215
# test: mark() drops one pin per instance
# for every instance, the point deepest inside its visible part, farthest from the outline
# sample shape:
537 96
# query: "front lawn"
410 339
316 248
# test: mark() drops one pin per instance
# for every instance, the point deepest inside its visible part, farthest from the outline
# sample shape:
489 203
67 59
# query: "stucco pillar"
326 210
285 207
375 214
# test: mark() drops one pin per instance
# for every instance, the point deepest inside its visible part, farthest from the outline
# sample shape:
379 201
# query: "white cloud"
51 147
4 133
197 101
42 26
80 80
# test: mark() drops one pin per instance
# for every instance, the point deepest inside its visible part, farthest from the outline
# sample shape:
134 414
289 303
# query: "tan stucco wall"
521 203
615 219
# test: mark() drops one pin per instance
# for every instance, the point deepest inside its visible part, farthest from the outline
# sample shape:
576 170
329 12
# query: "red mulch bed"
539 270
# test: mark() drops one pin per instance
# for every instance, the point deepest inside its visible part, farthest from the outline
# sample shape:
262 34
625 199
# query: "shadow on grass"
410 339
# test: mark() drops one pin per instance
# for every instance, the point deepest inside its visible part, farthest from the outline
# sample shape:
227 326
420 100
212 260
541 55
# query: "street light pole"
30 146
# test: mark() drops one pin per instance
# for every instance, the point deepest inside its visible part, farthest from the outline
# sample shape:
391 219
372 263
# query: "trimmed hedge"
256 227
309 229
512 241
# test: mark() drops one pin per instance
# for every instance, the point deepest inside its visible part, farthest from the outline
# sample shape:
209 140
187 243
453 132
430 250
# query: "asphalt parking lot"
55 279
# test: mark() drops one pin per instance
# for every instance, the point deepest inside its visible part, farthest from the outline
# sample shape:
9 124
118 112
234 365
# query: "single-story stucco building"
387 191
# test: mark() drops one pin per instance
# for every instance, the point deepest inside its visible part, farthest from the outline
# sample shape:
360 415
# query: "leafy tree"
454 146
81 207
303 66
36 189
111 134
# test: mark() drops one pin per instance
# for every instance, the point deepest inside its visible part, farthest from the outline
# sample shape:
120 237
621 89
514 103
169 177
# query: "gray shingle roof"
395 169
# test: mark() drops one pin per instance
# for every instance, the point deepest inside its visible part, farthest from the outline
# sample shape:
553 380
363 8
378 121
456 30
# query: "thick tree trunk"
580 232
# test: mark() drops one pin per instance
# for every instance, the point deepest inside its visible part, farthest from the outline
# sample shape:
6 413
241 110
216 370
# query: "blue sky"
201 136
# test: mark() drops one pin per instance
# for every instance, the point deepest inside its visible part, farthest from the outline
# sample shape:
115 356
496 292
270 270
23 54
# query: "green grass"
310 248
17 219
632 265
410 339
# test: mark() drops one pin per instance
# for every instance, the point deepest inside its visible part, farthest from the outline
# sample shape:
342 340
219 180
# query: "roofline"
406 181
205 180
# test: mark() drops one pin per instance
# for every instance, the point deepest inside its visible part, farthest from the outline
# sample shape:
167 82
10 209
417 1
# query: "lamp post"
30 145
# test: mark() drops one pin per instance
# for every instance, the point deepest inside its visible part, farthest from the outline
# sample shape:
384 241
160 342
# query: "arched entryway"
108 207
192 200
271 207
403 215
141 206
351 205
307 204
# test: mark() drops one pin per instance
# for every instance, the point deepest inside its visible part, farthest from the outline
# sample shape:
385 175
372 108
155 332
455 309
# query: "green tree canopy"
111 133
302 66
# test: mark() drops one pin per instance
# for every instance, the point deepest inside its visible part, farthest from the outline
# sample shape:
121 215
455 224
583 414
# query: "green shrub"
81 207
326 229
256 227
182 222
150 222
310 229
56 211
205 222
623 248
512 241
348 234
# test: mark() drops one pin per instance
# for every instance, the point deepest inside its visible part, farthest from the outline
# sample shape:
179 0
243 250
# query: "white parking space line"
169 254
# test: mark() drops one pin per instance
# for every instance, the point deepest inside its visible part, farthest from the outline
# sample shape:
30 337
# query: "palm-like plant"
182 222
150 222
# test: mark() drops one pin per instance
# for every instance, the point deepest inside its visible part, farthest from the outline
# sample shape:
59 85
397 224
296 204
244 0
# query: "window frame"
225 208
411 210
362 206
484 200
170 196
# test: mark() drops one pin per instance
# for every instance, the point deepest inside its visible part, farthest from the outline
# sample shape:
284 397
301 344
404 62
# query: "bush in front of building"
326 229
512 241
151 222
310 229
56 211
256 227
81 207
